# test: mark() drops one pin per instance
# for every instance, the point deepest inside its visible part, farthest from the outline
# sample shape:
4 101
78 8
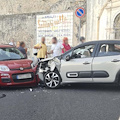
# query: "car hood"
15 64
47 59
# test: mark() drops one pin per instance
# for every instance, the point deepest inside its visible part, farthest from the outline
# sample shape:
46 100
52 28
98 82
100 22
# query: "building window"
117 26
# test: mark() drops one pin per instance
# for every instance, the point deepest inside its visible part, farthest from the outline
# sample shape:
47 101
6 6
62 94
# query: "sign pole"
80 12
79 29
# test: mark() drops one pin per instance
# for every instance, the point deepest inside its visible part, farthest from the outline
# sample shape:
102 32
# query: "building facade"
103 19
18 19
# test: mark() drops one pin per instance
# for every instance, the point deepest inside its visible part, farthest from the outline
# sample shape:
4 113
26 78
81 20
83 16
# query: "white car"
91 62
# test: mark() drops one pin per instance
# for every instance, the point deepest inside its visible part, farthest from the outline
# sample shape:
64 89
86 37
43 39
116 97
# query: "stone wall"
18 18
19 27
31 6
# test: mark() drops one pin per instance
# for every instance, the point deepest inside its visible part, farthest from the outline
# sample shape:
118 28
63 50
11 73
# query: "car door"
106 64
78 68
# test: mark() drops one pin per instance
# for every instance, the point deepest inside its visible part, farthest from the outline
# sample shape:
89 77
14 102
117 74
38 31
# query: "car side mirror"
35 54
68 58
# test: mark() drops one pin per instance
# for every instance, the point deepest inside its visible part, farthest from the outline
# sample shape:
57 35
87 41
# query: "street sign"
80 12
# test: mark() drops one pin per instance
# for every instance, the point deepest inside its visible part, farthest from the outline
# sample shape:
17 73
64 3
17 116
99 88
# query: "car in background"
91 62
15 68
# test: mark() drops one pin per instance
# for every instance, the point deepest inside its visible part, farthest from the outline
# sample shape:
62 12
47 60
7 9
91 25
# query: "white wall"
106 30
93 11
113 9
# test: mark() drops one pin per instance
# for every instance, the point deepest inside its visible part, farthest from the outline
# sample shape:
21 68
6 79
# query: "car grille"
14 76
23 68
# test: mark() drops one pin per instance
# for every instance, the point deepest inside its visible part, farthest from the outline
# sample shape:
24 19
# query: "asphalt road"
74 102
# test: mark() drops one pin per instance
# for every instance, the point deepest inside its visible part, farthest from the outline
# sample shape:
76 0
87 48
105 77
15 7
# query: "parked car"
91 62
15 69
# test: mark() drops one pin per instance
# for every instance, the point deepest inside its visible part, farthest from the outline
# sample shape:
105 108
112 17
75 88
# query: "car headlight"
4 68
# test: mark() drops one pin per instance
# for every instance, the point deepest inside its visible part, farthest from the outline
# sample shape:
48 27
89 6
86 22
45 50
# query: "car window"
10 54
83 52
66 54
109 50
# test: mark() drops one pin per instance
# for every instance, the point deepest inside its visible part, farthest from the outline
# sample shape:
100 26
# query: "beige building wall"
100 19
113 10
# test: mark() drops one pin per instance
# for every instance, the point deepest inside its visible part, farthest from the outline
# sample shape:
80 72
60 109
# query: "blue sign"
80 12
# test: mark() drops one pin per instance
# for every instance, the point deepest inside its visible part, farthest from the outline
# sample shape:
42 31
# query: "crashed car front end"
46 65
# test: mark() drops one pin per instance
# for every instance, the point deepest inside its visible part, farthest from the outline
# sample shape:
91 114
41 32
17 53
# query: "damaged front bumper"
46 65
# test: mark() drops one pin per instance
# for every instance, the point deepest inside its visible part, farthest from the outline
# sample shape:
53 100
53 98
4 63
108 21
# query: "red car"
15 69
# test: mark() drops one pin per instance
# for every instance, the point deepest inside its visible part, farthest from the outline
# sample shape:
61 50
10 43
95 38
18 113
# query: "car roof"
99 42
5 46
103 41
93 42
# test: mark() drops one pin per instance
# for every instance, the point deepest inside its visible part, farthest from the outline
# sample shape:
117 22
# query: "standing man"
42 49
56 49
12 42
22 48
82 40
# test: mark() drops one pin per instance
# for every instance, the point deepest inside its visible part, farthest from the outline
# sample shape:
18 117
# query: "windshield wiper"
9 59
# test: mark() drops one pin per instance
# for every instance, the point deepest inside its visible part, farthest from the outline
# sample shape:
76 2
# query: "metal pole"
79 29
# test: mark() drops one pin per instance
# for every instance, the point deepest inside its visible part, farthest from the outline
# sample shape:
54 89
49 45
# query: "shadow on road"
92 87
16 88
76 86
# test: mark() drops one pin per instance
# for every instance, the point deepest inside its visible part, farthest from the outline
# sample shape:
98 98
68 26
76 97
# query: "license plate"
25 76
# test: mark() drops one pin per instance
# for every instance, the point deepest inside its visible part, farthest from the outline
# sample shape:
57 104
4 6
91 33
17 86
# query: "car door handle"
115 60
86 63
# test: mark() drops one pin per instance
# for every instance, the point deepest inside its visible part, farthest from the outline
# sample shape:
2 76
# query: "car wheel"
52 79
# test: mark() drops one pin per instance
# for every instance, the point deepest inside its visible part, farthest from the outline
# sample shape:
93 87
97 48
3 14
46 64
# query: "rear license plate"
24 76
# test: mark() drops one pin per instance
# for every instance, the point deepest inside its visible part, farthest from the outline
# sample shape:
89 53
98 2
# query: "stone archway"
117 26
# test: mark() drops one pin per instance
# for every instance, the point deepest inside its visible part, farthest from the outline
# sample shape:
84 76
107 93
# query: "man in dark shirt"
22 48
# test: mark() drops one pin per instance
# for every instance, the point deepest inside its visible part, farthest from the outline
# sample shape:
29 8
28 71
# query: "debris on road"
22 92
31 89
34 95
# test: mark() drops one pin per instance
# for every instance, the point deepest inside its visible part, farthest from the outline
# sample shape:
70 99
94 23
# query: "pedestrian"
18 44
66 45
12 42
42 49
82 40
56 49
22 48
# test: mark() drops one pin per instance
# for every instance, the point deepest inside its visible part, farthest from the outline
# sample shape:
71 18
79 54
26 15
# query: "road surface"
70 102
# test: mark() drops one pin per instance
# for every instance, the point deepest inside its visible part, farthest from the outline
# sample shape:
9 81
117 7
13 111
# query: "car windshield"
10 54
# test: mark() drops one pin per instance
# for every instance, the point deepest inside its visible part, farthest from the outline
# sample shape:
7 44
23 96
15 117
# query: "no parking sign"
80 12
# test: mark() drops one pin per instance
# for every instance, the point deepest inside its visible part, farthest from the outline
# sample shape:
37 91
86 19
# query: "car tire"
52 79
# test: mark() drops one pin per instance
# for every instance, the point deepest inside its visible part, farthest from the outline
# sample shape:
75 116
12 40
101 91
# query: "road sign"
80 12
